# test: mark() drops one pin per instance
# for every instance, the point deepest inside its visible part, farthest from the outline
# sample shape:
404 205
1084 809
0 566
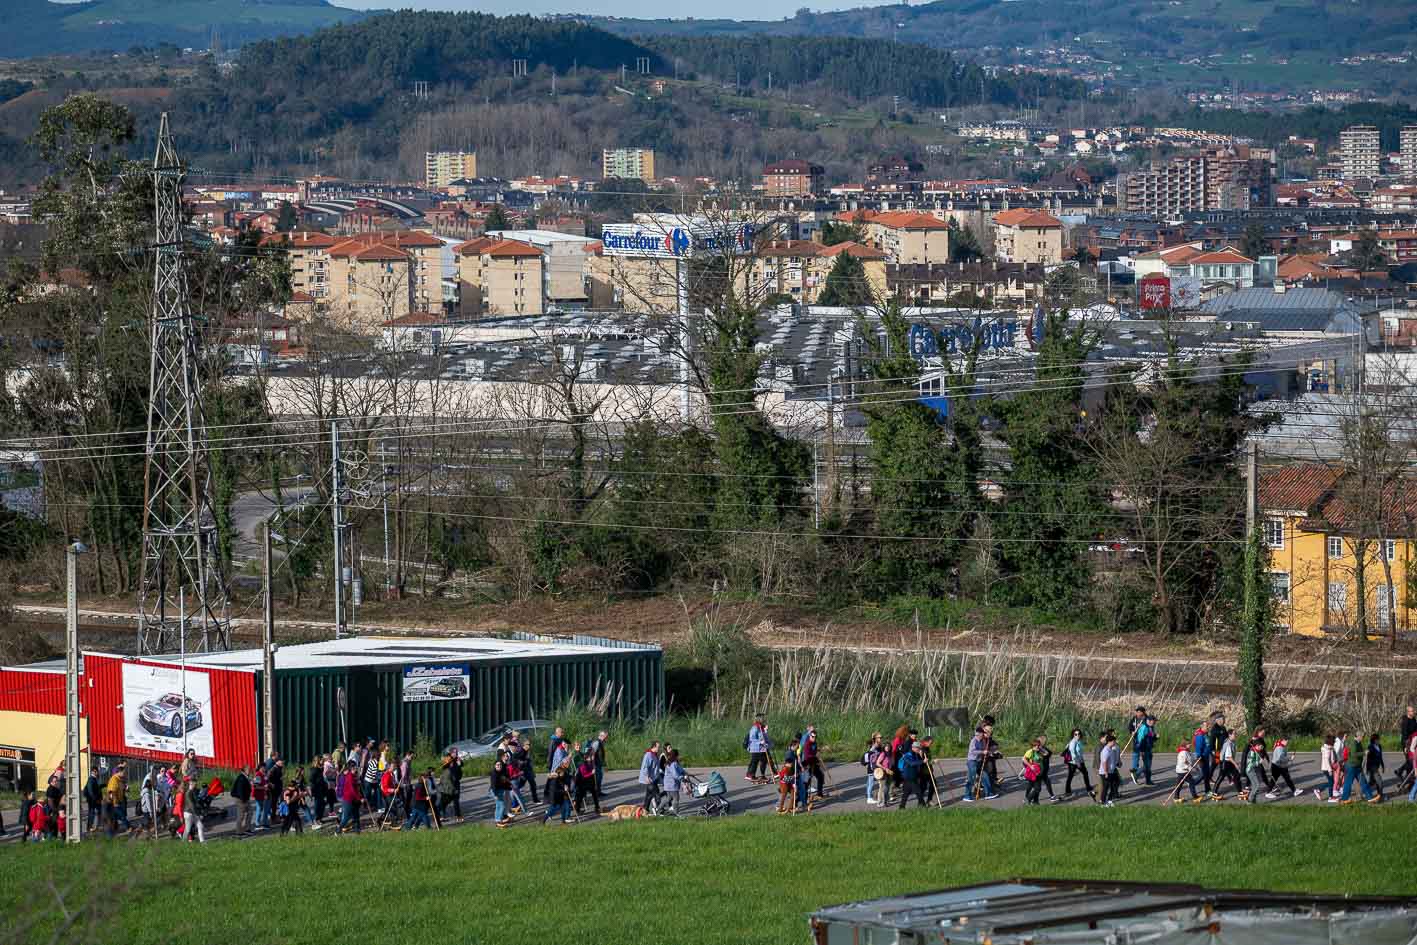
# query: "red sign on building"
1155 292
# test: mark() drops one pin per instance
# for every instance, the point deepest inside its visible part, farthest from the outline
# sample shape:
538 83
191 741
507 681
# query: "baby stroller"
712 792
203 797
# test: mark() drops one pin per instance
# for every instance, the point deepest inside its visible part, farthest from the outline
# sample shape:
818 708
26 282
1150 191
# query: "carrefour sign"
630 239
926 340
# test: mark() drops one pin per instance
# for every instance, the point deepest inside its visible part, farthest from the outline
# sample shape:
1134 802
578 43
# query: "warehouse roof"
397 651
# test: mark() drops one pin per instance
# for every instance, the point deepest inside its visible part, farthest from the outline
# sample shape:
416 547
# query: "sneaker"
968 798
1298 791
1271 795
748 777
1197 800
1056 798
991 797
1375 799
1109 804
871 800
1333 800
1134 778
1317 794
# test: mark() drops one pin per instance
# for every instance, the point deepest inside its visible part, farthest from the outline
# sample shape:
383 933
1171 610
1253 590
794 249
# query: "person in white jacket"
1186 770
1326 756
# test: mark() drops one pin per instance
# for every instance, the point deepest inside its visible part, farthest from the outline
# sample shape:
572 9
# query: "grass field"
749 879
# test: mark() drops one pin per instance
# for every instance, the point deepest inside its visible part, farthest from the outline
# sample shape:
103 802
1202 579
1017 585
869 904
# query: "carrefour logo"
677 242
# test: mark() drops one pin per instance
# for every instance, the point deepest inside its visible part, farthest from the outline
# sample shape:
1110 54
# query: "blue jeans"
564 808
870 786
417 817
499 813
262 813
120 816
373 796
348 814
1141 763
976 772
803 782
1349 776
1412 794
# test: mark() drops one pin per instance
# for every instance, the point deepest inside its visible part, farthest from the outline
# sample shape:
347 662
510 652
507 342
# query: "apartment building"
793 178
1028 236
799 268
500 277
364 280
441 168
1360 152
1407 150
905 236
309 256
635 163
1214 179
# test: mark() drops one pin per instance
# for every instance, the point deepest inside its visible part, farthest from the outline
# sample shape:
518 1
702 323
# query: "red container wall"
233 712
29 691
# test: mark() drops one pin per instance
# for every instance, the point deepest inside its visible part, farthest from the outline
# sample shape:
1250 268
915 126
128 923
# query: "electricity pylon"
182 599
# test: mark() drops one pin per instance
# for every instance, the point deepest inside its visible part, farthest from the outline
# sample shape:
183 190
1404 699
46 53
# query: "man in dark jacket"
275 787
241 793
93 797
910 767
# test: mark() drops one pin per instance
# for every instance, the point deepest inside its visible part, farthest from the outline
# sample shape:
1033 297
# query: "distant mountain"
1252 39
40 28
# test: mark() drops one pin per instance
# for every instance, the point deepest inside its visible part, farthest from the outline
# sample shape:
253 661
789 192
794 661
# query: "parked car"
167 716
450 687
485 745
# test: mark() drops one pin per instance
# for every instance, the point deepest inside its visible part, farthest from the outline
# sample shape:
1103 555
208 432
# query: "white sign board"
161 714
442 682
653 241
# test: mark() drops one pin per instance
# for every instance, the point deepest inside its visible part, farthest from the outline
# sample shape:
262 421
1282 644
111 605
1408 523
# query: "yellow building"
905 236
441 168
1314 538
634 163
799 268
500 277
1028 236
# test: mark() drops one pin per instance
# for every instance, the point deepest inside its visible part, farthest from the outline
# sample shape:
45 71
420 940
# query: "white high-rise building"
1360 151
1407 144
443 167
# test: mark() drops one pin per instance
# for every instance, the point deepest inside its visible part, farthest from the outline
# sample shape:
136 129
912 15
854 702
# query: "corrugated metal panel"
232 712
24 690
309 723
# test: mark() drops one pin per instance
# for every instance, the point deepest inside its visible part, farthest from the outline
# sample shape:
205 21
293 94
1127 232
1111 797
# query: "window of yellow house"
1279 586
1274 532
1337 599
1335 546
1389 550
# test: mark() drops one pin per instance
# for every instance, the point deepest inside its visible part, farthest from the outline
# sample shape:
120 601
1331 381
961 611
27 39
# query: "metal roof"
397 651
1038 911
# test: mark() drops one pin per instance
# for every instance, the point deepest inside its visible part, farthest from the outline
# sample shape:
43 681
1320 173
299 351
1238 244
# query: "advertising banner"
657 241
1155 292
441 682
161 712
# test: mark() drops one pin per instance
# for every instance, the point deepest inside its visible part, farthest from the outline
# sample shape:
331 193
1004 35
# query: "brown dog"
627 812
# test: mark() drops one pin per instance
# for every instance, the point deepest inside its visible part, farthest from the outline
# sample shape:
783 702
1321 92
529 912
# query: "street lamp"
71 693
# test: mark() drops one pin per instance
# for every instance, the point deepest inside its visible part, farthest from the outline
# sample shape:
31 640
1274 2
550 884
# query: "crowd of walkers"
373 785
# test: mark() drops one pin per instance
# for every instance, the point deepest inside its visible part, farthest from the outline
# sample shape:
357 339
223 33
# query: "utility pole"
71 696
268 652
338 528
1252 486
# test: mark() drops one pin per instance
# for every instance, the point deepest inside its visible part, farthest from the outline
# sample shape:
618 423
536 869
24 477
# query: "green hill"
39 27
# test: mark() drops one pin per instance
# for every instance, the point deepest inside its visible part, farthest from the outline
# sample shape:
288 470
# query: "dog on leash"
627 812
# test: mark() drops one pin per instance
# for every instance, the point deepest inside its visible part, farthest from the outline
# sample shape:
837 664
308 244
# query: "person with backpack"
911 768
1228 768
810 762
1075 757
758 744
585 783
870 760
1373 765
1033 772
1351 757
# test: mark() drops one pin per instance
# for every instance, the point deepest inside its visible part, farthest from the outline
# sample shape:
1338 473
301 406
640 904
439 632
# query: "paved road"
846 794
250 509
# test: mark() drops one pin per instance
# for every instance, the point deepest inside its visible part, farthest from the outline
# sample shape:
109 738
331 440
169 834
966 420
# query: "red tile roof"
1297 487
417 239
1024 218
909 220
509 249
859 250
302 239
474 247
413 319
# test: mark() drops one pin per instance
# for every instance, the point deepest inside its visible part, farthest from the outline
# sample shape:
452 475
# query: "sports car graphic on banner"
160 713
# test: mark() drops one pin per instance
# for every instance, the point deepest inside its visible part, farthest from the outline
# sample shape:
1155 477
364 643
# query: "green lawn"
742 880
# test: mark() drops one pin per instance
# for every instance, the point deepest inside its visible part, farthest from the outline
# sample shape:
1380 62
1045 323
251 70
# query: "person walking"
810 761
1033 772
241 794
1142 729
1406 730
1228 768
911 768
93 799
558 798
193 830
418 802
1075 757
501 786
348 792
870 760
23 819
673 783
372 771
525 773
448 788
1185 767
787 782
649 777
1279 770
288 809
1352 759
976 775
596 747
1373 765
1044 755
758 745
585 773
1109 762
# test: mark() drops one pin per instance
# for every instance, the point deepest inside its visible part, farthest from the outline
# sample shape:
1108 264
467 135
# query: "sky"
651 9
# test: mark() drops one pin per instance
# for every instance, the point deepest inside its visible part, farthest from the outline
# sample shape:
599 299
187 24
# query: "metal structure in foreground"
180 559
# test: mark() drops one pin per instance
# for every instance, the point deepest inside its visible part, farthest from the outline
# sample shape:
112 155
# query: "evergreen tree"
286 219
497 219
924 480
964 243
1254 244
1368 255
834 233
1256 622
1052 504
846 284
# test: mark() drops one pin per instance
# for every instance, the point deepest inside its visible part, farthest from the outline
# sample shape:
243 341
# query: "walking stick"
1175 791
930 767
432 808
